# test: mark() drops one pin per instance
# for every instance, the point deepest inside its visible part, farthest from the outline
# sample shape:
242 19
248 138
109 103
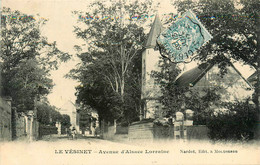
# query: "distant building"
69 108
87 120
83 120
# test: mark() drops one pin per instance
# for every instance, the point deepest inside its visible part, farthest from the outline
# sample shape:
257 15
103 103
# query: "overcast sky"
59 28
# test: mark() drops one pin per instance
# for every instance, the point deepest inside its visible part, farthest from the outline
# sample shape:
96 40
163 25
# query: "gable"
232 78
200 74
232 85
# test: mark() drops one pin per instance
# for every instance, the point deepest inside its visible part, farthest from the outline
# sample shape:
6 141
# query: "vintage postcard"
156 82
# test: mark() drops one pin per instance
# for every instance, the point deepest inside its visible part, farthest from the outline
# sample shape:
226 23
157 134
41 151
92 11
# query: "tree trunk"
122 88
257 90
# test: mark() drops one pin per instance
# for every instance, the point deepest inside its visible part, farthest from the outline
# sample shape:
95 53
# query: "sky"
59 28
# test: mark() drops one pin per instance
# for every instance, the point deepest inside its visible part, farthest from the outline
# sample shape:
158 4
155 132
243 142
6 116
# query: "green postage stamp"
184 37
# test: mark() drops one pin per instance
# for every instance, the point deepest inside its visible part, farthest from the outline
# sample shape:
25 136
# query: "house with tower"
198 78
150 61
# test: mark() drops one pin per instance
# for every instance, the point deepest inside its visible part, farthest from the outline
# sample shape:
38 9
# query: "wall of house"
121 130
109 133
150 89
234 87
5 121
70 109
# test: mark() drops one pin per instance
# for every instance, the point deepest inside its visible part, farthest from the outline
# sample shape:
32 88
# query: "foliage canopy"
110 68
26 58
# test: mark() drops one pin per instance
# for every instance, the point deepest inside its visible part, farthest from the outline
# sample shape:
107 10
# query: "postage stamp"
184 37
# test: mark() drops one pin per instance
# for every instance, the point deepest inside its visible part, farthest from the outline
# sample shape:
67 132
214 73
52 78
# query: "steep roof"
191 77
252 78
155 30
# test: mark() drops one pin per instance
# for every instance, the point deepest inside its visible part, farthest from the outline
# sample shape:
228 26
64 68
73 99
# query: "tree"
165 77
43 113
65 121
25 82
235 28
114 40
237 124
111 60
49 115
27 57
177 98
55 115
96 94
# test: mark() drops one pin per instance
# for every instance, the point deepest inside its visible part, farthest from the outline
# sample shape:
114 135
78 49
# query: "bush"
47 130
199 119
238 123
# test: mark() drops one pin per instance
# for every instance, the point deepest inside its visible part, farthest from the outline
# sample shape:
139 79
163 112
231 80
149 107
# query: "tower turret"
150 62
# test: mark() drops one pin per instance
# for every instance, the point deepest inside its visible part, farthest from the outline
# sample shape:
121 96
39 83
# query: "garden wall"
5 121
141 131
19 127
148 131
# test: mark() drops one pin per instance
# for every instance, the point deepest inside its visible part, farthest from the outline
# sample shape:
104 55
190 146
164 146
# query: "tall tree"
175 98
115 36
233 26
235 29
27 57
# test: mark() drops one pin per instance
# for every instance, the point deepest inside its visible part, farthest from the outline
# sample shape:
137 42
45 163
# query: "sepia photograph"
126 82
